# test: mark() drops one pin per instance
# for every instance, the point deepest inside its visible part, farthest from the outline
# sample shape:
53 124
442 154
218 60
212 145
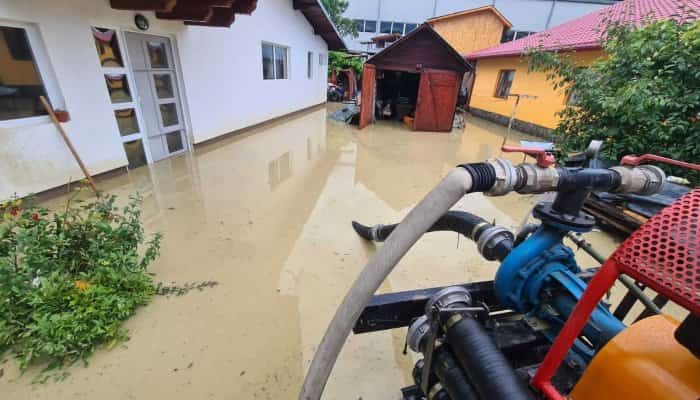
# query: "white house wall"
221 70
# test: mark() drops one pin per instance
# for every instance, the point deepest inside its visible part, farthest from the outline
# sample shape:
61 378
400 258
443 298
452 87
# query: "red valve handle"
637 160
544 157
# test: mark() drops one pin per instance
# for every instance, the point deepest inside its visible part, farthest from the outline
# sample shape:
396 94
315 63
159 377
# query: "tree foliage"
335 9
644 97
340 60
69 279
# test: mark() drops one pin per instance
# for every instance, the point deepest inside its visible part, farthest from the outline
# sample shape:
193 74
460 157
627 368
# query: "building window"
397 27
310 64
365 25
411 27
385 27
322 59
274 61
505 81
573 99
21 83
360 24
509 35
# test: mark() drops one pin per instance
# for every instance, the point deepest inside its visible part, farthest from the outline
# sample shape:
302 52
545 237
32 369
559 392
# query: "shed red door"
437 97
369 74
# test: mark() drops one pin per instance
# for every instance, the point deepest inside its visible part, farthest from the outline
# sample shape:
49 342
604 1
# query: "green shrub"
69 279
644 97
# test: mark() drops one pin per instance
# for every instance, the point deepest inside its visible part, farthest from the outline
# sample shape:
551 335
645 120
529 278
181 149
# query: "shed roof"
421 48
477 10
586 32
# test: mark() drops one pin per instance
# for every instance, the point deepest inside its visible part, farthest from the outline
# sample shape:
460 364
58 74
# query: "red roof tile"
585 32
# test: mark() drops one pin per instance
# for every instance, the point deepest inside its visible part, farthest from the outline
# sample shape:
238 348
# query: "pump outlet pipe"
460 181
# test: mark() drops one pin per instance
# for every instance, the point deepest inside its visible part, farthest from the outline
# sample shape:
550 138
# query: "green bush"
644 97
340 60
69 279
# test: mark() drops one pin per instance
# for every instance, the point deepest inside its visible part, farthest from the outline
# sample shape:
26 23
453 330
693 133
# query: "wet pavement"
267 215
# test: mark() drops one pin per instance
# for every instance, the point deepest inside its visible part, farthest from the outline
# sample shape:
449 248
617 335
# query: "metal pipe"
624 279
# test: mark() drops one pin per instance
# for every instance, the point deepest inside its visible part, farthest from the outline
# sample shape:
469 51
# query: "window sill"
22 122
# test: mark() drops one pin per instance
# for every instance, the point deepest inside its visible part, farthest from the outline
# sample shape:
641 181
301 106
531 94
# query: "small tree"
335 9
340 60
643 97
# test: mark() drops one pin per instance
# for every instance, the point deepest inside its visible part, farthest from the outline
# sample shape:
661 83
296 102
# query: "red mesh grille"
664 253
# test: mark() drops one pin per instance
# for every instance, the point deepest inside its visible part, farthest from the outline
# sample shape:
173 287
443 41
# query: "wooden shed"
418 76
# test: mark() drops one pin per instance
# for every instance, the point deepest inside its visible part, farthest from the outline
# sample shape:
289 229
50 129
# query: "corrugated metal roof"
585 32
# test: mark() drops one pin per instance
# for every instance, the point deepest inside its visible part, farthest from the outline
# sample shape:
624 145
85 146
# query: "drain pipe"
460 181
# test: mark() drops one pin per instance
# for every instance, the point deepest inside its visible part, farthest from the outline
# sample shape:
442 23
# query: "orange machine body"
642 362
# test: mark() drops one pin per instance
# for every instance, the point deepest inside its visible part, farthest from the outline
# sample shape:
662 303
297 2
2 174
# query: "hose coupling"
506 177
643 180
535 179
495 243
417 332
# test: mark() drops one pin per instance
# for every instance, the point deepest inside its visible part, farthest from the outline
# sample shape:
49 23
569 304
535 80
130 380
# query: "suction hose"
460 181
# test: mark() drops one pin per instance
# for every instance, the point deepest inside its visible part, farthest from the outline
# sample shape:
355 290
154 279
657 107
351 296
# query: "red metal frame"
663 254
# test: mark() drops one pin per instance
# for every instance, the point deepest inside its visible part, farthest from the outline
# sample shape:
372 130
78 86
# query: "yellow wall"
541 111
15 72
471 32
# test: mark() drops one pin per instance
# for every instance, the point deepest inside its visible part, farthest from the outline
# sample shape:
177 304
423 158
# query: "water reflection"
267 215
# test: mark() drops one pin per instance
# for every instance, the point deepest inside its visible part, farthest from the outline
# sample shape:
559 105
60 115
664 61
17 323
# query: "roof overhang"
222 13
317 16
216 13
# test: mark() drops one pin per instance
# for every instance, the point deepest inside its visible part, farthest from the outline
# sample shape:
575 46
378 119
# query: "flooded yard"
267 215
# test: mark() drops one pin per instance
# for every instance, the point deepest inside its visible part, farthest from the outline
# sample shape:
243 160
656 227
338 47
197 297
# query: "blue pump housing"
539 279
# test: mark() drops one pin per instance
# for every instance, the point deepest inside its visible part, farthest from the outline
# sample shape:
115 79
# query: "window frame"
44 69
385 22
310 64
499 82
287 71
360 24
403 28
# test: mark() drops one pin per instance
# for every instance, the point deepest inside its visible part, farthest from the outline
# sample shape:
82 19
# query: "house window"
505 81
310 64
274 60
21 83
509 35
385 27
573 99
411 27
370 26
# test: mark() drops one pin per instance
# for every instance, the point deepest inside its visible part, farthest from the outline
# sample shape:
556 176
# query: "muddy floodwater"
267 215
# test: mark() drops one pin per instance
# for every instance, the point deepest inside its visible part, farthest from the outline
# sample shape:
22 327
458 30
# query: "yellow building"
501 71
471 30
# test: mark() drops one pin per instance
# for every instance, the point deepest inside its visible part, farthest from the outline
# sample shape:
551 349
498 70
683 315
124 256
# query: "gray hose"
435 204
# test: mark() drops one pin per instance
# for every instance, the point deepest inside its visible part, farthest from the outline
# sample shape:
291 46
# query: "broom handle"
66 139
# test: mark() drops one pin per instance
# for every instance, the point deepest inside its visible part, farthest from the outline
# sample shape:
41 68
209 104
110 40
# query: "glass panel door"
157 87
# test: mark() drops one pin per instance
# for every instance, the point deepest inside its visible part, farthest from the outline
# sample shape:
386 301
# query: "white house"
142 80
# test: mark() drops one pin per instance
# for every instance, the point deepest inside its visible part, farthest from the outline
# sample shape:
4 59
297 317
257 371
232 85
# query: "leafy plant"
643 97
69 279
335 10
340 60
